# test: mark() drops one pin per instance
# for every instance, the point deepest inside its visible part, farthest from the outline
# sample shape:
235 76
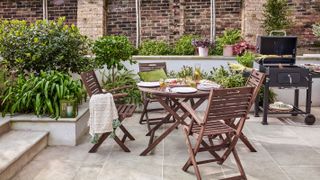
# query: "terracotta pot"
203 52
228 50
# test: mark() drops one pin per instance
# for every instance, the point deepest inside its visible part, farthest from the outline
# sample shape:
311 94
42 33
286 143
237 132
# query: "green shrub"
276 15
229 37
184 47
153 47
43 45
112 51
123 78
246 59
316 30
41 94
226 78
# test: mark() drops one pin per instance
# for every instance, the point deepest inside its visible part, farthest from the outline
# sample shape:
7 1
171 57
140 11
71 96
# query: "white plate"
208 86
184 90
148 84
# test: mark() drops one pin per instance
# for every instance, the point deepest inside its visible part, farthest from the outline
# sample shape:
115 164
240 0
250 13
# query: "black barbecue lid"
277 45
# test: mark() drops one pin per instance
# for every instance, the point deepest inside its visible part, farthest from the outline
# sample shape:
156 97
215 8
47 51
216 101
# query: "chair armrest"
120 88
119 95
192 112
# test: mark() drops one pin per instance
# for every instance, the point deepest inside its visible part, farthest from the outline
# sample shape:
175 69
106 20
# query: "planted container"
203 52
68 108
228 50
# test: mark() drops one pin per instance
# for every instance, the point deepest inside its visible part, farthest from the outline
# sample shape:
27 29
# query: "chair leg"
245 140
100 141
126 133
238 162
121 144
144 111
192 155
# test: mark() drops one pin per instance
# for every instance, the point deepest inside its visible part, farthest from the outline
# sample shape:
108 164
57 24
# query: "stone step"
4 126
17 148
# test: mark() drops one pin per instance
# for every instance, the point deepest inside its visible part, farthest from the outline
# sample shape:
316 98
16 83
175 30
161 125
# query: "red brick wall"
31 10
121 18
304 15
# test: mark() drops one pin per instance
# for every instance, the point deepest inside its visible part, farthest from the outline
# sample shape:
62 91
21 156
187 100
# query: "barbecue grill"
278 62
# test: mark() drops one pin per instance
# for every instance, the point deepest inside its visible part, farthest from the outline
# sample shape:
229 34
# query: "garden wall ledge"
64 131
309 57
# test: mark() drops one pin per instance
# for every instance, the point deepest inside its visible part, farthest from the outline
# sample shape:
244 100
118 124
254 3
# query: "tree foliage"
276 15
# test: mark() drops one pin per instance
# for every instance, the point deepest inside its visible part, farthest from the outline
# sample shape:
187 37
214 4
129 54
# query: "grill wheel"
310 119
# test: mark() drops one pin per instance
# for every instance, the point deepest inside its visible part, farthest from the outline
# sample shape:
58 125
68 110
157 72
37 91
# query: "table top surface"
165 92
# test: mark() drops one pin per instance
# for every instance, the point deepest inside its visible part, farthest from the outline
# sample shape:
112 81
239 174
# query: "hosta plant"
41 93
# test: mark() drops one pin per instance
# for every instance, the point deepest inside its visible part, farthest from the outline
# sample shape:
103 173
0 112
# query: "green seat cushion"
152 76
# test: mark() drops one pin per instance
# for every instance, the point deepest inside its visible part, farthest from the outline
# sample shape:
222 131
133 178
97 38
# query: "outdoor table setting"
194 90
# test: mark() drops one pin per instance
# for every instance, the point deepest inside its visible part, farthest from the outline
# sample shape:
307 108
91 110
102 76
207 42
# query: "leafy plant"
43 45
316 29
186 71
154 47
123 78
204 43
112 51
226 78
276 15
229 37
246 59
242 47
41 94
183 46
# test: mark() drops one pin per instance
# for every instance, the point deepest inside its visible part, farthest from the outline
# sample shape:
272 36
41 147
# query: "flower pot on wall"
228 50
203 52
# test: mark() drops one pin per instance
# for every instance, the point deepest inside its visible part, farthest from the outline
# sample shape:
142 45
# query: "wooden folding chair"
147 99
223 104
255 80
92 85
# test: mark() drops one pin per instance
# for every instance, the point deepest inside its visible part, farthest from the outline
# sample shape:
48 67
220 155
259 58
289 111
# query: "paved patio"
286 150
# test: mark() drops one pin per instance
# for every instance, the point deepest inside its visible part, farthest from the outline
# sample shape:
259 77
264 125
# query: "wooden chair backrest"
229 103
255 80
145 67
91 83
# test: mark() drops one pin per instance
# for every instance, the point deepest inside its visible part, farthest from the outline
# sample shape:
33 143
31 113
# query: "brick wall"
228 15
121 18
303 15
31 10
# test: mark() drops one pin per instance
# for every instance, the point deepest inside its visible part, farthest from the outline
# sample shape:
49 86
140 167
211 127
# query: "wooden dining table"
164 95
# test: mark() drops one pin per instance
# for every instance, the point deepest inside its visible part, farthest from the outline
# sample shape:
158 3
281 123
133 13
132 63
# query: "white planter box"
64 131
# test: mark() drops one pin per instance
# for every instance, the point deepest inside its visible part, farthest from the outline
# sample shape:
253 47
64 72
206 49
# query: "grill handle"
290 78
277 32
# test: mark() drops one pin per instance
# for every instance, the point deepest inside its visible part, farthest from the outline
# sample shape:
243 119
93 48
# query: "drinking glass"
197 73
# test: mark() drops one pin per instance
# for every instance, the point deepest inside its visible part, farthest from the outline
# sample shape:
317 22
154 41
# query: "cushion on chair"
154 75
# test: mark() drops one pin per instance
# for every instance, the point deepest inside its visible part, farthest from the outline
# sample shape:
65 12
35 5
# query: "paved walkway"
286 150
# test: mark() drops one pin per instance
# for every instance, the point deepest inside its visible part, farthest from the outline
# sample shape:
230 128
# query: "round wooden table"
162 95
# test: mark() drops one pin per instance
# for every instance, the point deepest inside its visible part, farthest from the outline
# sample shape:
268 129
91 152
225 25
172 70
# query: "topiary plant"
153 47
112 51
183 46
276 15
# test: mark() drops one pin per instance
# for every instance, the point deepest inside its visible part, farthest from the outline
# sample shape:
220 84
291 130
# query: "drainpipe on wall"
138 23
45 9
213 21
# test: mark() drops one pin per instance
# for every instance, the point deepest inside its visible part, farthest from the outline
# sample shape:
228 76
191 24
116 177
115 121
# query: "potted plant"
229 38
203 46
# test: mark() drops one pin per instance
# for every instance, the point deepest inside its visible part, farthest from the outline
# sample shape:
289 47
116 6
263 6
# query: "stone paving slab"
285 152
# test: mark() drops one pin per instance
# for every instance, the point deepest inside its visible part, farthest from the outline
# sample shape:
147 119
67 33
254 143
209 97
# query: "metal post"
213 20
138 23
45 9
309 93
266 102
